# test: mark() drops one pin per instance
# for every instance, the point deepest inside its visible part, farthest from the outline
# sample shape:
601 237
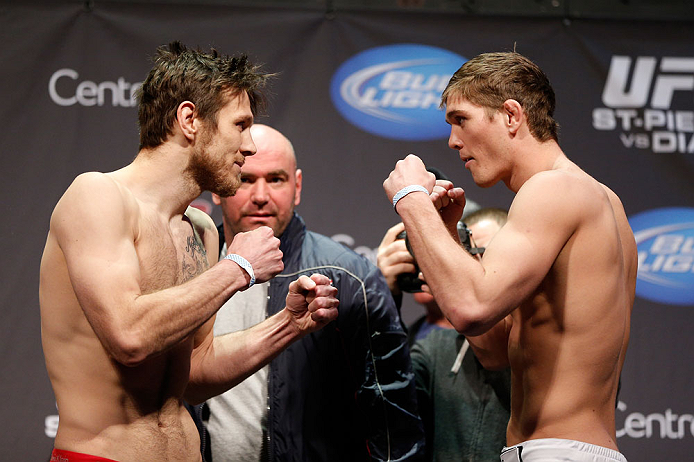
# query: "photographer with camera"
402 275
465 408
395 260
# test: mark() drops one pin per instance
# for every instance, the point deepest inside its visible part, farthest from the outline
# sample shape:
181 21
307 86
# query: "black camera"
410 282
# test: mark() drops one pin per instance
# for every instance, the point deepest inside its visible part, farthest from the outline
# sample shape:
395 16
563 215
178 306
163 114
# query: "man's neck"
158 177
534 158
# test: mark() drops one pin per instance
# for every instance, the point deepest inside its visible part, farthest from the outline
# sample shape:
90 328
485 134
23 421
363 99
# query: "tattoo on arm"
197 253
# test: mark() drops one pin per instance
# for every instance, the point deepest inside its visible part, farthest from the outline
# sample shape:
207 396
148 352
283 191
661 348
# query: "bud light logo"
665 240
394 91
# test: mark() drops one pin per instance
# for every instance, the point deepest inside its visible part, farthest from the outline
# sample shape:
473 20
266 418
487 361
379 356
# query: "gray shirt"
465 408
236 416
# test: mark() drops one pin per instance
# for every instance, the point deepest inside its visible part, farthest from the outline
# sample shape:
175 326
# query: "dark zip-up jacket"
347 392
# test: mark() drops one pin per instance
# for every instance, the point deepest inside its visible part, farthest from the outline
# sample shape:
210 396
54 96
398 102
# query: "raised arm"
97 224
474 296
219 363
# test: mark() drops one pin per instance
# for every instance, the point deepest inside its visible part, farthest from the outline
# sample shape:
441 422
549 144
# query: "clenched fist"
312 302
262 250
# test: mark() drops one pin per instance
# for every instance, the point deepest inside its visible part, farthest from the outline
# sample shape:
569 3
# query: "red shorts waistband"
59 455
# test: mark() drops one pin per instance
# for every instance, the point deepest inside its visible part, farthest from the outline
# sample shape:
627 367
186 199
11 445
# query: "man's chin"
484 182
226 190
252 223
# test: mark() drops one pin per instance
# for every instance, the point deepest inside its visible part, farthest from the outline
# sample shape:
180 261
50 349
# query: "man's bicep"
521 254
93 228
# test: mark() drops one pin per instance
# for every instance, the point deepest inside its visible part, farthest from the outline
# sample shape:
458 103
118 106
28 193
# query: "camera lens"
409 282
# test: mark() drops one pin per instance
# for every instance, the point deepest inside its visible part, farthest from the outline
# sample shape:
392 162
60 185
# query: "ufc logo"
675 74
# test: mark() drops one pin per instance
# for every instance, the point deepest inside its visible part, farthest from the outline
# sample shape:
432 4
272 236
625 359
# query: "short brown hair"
208 80
488 213
492 78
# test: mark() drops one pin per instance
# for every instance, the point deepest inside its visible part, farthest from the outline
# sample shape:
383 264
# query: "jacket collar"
291 241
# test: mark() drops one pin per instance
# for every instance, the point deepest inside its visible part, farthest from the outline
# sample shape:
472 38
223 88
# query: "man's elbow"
468 320
129 349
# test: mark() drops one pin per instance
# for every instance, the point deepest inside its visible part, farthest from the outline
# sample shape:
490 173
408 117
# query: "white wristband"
405 191
244 264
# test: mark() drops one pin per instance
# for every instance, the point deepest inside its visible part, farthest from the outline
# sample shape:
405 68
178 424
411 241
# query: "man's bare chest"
169 254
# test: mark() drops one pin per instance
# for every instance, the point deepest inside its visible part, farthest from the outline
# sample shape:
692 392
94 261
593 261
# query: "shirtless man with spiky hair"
130 281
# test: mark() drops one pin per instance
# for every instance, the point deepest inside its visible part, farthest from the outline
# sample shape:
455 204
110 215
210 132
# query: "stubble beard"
208 174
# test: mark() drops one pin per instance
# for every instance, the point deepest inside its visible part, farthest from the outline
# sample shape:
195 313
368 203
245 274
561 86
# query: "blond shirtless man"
566 259
130 281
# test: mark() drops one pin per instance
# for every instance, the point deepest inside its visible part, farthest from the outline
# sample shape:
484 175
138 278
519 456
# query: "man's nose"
259 192
454 141
247 147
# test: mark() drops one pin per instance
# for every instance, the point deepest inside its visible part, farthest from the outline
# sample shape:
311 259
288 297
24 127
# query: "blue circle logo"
394 91
665 240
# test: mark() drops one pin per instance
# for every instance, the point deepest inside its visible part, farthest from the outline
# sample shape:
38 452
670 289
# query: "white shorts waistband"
555 449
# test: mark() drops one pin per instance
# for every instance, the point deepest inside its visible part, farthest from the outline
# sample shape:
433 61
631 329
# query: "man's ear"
298 177
186 120
216 199
513 115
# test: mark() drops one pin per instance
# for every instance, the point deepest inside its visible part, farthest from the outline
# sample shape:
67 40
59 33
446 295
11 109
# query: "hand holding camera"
410 281
393 258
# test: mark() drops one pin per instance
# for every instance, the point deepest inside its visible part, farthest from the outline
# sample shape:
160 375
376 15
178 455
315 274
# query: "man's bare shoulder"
563 180
552 205
614 199
96 186
202 223
569 190
93 197
95 180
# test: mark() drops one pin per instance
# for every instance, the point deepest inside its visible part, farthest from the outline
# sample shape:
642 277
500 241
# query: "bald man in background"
347 394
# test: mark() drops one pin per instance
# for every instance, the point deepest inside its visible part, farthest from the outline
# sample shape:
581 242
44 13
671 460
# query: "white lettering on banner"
667 425
669 253
657 127
366 252
51 425
88 93
405 90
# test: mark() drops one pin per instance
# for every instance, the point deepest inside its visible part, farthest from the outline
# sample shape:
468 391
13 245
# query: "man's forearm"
229 359
451 273
159 320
